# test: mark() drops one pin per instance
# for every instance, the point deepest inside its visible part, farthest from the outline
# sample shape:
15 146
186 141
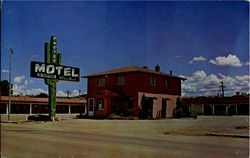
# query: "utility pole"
67 94
11 52
79 93
80 104
222 88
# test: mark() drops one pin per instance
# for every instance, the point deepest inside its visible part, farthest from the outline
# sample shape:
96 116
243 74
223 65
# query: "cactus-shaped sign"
52 71
51 57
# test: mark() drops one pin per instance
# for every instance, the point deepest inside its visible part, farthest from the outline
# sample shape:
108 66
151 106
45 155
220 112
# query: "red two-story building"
133 90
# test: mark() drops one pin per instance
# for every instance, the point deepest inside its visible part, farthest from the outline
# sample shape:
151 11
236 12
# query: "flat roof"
240 99
27 99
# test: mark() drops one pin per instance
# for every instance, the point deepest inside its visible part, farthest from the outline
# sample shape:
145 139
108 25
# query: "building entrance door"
91 107
163 108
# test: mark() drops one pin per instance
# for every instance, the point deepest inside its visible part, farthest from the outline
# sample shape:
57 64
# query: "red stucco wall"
134 83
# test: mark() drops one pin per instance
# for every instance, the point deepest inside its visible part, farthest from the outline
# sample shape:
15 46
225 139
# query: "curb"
228 135
212 134
14 122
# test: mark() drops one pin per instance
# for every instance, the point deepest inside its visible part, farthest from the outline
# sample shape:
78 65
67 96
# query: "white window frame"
101 81
153 81
120 80
166 82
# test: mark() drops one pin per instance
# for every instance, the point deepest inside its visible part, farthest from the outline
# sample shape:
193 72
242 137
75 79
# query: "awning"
108 93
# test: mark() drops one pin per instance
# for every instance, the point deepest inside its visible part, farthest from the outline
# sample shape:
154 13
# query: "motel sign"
52 71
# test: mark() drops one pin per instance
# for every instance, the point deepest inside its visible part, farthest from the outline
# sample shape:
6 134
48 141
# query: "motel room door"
164 108
91 107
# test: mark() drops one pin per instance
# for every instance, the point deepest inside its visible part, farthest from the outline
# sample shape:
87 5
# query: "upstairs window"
153 81
166 82
120 80
101 82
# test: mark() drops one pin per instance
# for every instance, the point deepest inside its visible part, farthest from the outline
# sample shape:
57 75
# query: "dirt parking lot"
126 138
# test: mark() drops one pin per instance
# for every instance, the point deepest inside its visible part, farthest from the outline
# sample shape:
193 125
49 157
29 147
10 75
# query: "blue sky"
206 42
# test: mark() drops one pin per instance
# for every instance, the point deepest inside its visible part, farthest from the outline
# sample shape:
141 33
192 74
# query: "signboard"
52 71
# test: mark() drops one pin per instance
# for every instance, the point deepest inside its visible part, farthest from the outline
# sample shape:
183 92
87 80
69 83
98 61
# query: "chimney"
157 68
171 72
237 93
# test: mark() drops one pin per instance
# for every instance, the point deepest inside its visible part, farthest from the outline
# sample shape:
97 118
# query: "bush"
114 116
195 115
39 117
82 116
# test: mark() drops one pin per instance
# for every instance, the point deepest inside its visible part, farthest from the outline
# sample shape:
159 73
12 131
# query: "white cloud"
242 78
200 58
201 84
26 82
20 87
21 90
34 91
5 71
61 94
230 60
75 93
19 79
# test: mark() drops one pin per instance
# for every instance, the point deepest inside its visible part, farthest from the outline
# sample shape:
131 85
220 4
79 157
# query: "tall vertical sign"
52 71
51 57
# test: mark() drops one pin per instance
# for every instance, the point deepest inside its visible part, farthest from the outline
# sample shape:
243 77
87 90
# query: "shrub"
39 117
114 116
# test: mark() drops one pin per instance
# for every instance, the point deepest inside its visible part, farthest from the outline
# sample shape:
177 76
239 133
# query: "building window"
99 104
101 82
130 103
91 104
153 81
120 80
166 82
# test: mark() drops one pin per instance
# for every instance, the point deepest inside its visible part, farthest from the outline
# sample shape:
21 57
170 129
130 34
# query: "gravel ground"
234 125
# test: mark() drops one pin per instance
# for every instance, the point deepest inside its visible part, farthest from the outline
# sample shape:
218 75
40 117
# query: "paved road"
66 140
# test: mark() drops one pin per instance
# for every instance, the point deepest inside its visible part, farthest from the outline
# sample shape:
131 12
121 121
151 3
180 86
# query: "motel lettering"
43 70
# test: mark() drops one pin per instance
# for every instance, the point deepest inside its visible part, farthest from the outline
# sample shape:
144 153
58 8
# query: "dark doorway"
163 108
114 105
219 110
243 109
146 110
208 110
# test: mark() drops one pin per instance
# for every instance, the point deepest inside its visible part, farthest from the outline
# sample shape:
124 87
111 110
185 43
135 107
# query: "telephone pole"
222 88
10 87
67 94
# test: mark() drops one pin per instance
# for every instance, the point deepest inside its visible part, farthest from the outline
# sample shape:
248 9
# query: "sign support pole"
51 57
52 71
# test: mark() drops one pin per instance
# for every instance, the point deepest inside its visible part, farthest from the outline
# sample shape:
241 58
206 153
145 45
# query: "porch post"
212 106
30 109
213 109
236 109
202 109
227 107
69 109
7 108
85 111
